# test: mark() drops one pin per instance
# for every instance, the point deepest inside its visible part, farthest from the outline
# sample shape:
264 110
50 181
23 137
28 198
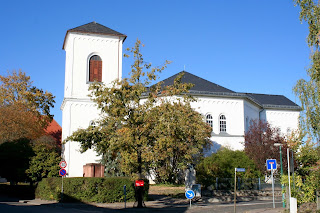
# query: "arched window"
209 120
95 68
223 123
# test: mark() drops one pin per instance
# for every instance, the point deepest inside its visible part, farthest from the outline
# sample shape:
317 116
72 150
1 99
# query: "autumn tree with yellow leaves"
24 115
152 127
24 109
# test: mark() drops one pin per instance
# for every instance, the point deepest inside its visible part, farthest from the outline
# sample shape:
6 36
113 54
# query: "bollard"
293 205
125 195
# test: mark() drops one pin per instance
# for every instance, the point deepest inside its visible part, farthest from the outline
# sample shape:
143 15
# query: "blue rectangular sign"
240 169
271 164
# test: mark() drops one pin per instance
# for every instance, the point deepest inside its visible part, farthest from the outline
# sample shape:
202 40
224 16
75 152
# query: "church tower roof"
94 28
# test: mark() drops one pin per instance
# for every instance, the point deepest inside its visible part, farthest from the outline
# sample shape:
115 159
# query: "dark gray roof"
200 84
271 101
95 28
205 87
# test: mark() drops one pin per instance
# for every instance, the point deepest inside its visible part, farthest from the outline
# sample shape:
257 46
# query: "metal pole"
235 188
272 187
292 164
288 158
62 189
283 204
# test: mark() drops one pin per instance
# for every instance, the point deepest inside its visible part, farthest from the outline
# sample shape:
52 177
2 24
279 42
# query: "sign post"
62 173
235 185
272 165
189 195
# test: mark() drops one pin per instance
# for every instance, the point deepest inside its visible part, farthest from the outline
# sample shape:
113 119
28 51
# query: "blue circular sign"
189 194
62 172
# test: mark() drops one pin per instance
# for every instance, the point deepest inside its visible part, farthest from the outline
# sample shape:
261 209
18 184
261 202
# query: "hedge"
101 190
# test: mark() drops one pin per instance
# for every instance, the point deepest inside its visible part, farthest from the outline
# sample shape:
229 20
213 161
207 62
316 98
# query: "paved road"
47 207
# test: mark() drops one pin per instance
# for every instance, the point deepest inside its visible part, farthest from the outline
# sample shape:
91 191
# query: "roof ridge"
200 84
262 94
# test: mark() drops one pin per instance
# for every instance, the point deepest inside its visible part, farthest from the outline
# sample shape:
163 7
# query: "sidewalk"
164 205
268 210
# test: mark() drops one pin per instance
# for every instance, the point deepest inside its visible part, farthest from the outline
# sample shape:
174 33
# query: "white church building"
94 52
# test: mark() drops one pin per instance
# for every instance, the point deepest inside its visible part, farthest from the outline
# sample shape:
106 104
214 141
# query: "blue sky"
256 46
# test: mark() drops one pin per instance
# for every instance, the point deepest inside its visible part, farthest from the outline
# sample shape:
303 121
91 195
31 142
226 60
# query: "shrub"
101 190
222 164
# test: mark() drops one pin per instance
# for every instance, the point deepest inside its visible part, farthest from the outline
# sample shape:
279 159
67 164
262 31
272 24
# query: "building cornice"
81 100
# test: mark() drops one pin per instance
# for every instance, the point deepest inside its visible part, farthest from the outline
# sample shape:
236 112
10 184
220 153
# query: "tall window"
223 123
95 68
247 124
209 120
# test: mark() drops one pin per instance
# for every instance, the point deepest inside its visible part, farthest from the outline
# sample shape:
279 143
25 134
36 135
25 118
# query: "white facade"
78 110
239 113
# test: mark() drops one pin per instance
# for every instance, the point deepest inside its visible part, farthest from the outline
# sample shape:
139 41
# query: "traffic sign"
62 172
240 169
271 164
189 194
63 164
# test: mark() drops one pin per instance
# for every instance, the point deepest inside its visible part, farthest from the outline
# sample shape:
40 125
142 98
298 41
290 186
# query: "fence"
244 184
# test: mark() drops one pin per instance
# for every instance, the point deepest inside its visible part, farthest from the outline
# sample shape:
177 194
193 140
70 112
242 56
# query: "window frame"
209 121
223 123
98 76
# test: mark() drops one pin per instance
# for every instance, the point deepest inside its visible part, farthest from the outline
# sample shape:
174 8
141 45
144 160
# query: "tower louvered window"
95 69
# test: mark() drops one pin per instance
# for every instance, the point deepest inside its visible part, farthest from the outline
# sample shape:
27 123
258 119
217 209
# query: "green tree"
112 163
128 125
179 136
307 158
308 90
45 162
222 164
24 109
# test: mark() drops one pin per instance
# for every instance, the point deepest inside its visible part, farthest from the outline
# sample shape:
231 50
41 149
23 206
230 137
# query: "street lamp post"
280 145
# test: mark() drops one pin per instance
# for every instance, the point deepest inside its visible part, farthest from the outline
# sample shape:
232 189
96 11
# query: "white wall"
251 113
233 109
283 119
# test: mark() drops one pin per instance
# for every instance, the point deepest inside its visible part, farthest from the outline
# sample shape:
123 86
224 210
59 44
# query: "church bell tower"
93 53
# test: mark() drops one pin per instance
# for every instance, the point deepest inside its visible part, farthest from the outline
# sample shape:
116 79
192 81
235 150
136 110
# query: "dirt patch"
308 207
166 190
